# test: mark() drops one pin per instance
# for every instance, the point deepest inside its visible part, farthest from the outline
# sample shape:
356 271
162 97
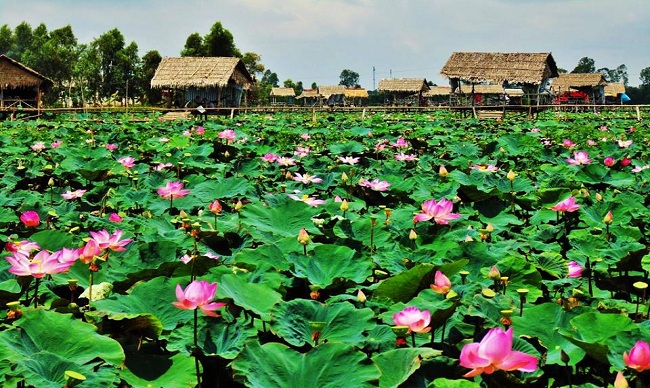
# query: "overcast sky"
313 40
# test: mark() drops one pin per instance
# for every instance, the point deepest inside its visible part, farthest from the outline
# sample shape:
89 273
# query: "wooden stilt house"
579 88
282 96
530 72
404 91
20 86
220 81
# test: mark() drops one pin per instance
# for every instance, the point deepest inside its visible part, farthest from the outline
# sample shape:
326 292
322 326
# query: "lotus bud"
50 182
609 218
344 177
413 235
226 154
489 228
469 238
620 381
361 297
494 273
599 197
344 206
442 171
511 175
288 175
215 207
239 205
303 237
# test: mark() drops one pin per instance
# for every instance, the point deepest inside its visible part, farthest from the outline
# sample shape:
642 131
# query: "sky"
314 40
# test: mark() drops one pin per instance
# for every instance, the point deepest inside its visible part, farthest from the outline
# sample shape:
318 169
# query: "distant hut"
576 88
282 96
529 71
309 97
332 95
437 95
404 91
356 96
220 81
614 92
20 86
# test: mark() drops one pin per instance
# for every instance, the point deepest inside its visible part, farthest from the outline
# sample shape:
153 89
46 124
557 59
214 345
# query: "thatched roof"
437 91
282 92
200 72
526 68
14 74
414 85
356 93
327 91
309 93
568 81
613 89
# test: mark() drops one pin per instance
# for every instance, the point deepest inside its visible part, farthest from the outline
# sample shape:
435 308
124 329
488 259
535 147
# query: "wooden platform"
171 116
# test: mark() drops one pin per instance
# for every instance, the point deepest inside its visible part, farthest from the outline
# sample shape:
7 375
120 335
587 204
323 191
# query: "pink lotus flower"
626 162
111 147
30 219
200 130
270 157
417 321
162 166
575 269
229 135
127 161
441 284
199 293
569 205
56 144
624 143
114 217
484 167
493 353
215 207
306 178
38 146
641 168
439 211
42 264
609 161
88 252
568 143
348 160
286 162
311 201
302 151
73 194
172 190
381 145
110 241
305 136
579 158
405 157
163 140
375 185
66 255
639 357
400 143
24 246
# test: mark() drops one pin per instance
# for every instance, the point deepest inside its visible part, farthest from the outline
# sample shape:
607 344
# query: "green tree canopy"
253 64
349 78
219 42
193 46
585 65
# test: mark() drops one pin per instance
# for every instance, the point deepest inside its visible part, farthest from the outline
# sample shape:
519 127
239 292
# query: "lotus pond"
392 250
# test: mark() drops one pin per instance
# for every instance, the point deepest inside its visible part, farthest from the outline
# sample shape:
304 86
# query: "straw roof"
413 85
327 91
613 89
570 81
356 93
14 74
200 72
309 93
437 91
282 92
527 68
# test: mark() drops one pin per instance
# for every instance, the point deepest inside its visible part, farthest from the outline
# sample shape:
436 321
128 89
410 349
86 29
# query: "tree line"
109 69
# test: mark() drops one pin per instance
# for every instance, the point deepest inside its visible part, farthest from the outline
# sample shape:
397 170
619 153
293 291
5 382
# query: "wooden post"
638 113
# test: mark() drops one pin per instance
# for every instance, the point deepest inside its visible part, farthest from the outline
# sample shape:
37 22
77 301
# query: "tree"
270 78
219 42
6 39
150 62
314 85
585 65
562 71
645 76
349 78
288 83
22 41
253 64
299 88
193 46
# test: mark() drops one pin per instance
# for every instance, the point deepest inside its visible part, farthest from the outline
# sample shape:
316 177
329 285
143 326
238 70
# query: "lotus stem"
588 265
373 223
90 289
413 338
196 348
38 282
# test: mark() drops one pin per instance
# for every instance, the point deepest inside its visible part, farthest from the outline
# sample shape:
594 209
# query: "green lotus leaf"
267 224
148 369
330 365
398 364
404 286
256 297
325 264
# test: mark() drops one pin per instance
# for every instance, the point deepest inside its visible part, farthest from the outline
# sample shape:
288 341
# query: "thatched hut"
530 71
20 86
614 92
332 95
219 81
575 88
404 91
309 97
356 96
282 96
